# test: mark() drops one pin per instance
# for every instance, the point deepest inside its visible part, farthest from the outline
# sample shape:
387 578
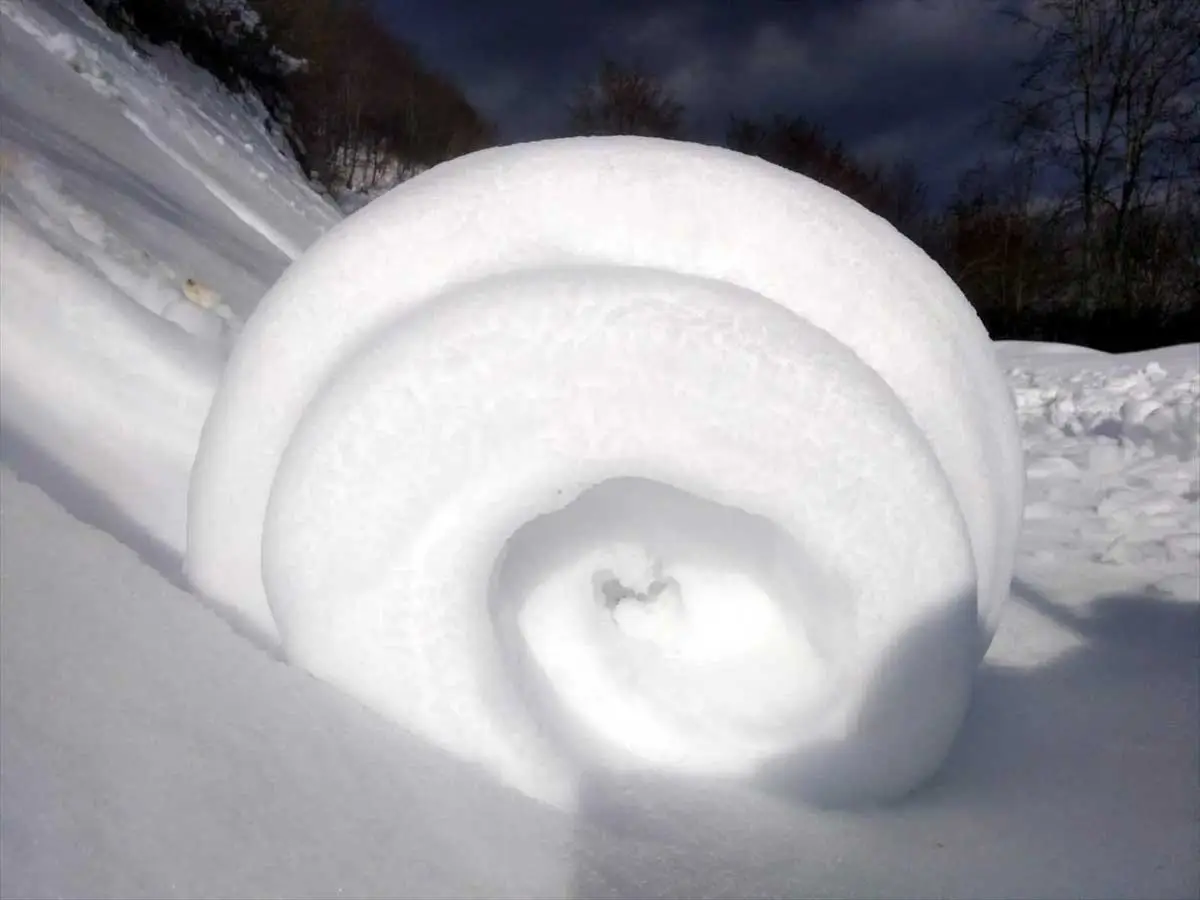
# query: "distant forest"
1087 233
359 107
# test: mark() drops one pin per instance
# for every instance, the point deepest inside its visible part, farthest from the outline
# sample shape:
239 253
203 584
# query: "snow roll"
622 453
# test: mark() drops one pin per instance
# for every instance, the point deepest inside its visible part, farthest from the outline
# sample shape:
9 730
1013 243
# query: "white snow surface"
148 749
1114 445
115 177
441 369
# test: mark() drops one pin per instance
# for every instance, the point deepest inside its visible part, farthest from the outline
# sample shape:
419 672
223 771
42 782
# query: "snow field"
1113 449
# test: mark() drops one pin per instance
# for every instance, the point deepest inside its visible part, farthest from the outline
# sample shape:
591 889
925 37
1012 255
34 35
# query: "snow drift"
627 453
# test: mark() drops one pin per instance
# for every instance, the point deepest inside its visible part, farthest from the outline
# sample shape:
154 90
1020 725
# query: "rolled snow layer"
622 452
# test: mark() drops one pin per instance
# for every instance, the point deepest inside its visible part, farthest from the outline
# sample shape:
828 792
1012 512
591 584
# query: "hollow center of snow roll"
662 628
686 610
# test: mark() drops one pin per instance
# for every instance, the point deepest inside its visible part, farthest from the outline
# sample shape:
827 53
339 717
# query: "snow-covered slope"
149 749
127 184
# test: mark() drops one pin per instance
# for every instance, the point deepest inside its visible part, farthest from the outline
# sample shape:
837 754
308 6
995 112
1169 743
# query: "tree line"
358 106
1087 231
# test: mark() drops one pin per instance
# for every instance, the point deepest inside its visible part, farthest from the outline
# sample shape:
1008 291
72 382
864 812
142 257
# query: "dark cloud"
891 78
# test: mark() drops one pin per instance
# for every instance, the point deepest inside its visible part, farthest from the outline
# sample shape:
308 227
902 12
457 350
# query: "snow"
107 367
635 203
115 130
150 749
112 394
389 419
1114 446
403 532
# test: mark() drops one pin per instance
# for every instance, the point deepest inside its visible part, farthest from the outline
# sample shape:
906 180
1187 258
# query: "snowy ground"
120 180
148 748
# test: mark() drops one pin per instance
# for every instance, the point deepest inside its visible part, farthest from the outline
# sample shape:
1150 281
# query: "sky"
892 79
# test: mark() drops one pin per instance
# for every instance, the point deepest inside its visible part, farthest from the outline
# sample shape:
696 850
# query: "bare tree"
1108 112
625 100
1004 250
366 110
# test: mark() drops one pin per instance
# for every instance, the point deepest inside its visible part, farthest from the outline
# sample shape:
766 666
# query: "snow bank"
628 453
151 752
1112 443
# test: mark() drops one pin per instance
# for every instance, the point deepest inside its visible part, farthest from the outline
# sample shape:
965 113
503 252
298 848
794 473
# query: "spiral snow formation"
622 452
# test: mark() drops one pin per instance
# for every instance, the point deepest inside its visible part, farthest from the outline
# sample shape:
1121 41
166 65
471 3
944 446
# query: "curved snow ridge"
628 453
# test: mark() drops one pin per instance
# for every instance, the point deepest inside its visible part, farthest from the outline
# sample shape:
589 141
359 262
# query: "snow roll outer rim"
697 210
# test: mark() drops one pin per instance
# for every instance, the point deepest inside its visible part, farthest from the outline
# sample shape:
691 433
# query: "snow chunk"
470 357
1113 443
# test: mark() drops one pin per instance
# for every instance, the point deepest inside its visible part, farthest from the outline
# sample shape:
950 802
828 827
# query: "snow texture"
469 354
124 273
78 359
1113 443
147 750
